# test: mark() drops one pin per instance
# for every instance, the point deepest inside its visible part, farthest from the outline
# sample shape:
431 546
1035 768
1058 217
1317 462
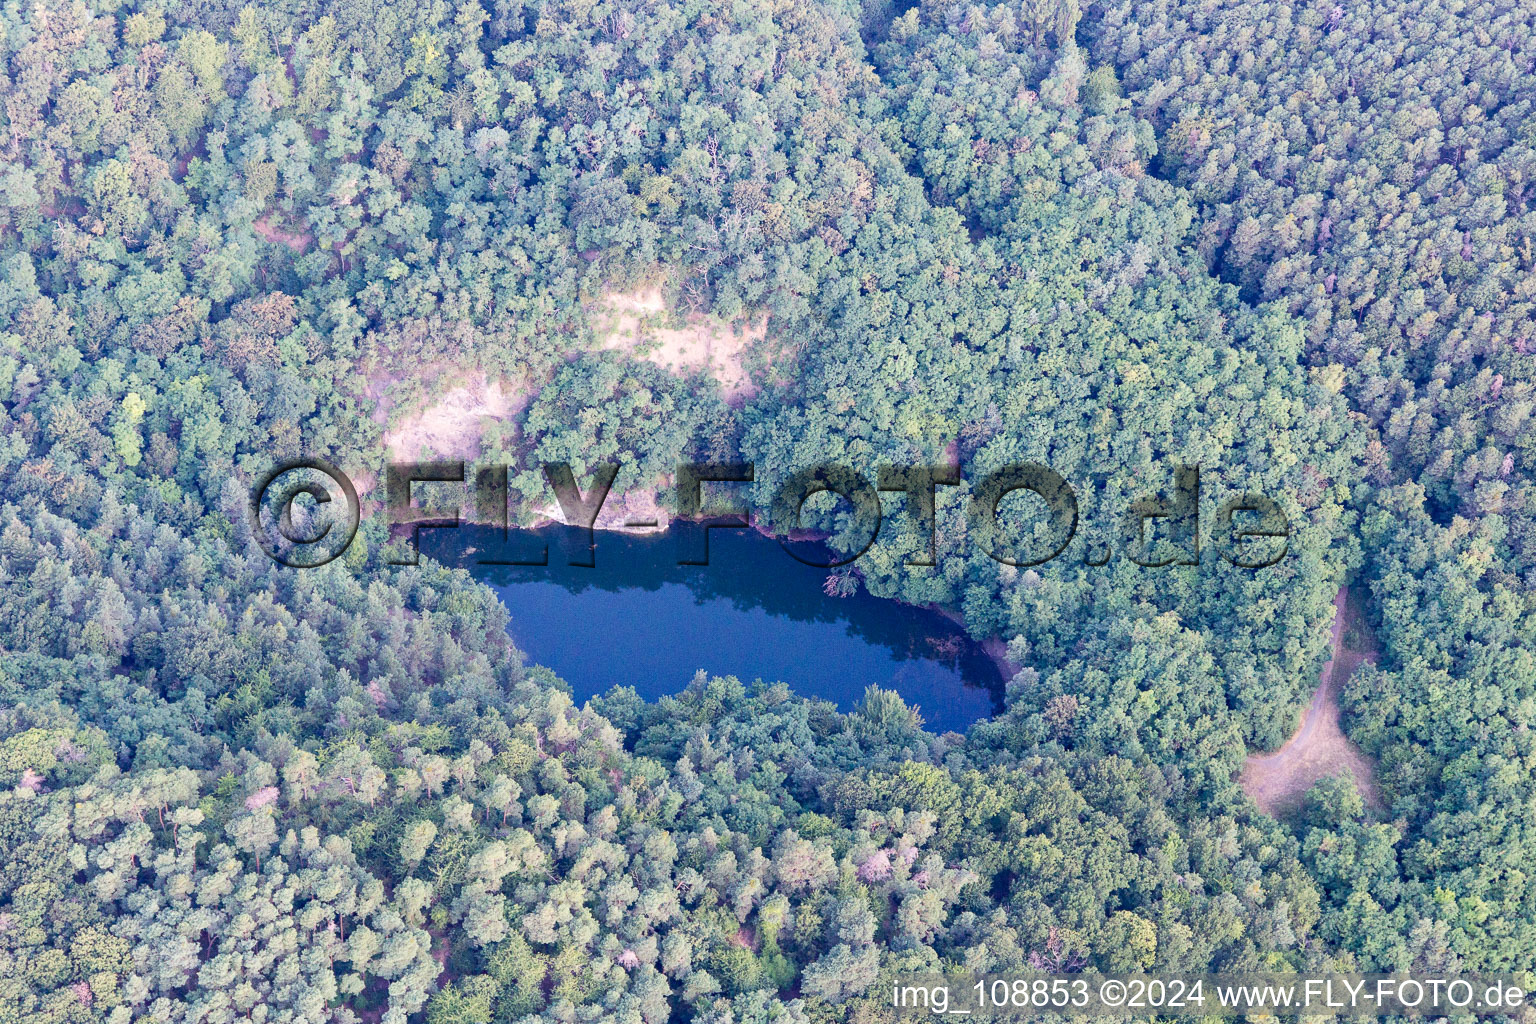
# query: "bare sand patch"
1318 749
453 425
634 322
636 510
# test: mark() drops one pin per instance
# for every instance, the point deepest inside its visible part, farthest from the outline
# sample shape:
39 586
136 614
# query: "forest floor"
1319 748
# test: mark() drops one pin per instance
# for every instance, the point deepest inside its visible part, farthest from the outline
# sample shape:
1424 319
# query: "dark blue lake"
638 618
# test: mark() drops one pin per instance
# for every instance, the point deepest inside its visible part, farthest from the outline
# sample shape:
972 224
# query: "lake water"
638 618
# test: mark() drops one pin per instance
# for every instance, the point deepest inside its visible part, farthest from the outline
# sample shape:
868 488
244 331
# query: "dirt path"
1319 748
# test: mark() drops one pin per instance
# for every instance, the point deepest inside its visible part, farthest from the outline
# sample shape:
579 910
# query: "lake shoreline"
634 616
627 516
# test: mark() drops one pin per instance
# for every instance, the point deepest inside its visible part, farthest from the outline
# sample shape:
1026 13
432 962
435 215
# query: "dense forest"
1291 244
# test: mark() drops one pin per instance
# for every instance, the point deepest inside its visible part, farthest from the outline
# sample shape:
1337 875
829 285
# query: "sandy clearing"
632 322
1276 781
452 426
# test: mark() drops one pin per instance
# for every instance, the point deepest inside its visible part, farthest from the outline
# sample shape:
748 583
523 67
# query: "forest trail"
1319 748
